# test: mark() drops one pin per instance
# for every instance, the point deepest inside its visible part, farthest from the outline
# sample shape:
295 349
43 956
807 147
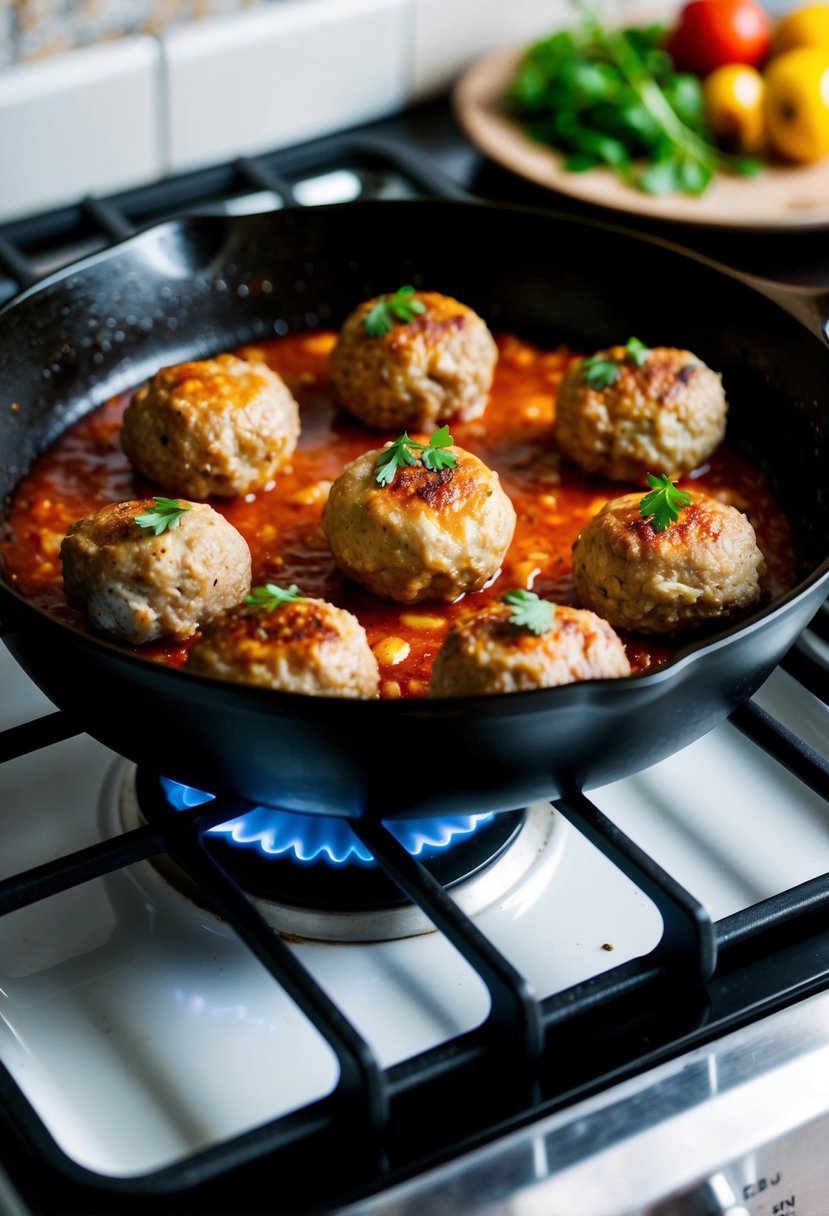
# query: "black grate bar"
369 151
75 868
514 1014
16 263
40 732
116 216
688 938
259 173
807 898
808 672
110 219
361 1080
413 164
789 750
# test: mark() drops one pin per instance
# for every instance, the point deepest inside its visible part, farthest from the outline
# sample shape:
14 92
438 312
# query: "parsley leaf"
636 351
601 373
400 307
167 514
270 596
407 451
663 505
435 455
529 611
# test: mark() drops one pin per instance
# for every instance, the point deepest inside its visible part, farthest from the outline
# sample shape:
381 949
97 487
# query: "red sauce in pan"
86 469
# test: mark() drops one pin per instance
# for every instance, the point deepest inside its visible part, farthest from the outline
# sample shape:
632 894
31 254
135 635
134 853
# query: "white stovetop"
125 985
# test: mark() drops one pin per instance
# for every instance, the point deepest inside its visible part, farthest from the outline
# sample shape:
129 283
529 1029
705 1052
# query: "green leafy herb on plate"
613 97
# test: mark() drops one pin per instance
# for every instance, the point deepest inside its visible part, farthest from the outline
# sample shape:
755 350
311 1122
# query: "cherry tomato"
711 33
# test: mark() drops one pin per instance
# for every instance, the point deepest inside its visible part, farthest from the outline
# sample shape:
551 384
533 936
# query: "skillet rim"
786 298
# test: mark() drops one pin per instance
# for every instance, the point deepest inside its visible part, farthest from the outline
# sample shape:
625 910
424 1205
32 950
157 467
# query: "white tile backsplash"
99 118
283 73
87 120
451 34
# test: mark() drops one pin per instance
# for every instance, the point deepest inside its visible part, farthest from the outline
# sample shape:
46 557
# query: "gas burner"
317 862
311 878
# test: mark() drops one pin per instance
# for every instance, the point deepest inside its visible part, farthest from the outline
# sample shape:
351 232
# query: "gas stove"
612 1005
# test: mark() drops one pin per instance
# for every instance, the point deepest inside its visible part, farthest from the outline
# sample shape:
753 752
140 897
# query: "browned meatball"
434 368
430 535
136 586
669 414
703 569
486 653
306 646
221 426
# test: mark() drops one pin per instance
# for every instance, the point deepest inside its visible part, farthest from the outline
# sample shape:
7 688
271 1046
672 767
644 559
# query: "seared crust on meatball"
305 646
435 368
221 426
703 569
485 653
136 587
429 535
668 414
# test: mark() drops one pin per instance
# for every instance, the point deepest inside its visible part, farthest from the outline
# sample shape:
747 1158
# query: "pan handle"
808 304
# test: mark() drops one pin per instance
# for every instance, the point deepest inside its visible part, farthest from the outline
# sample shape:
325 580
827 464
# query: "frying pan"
190 288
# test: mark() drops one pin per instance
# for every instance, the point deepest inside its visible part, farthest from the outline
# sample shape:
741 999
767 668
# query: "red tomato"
711 33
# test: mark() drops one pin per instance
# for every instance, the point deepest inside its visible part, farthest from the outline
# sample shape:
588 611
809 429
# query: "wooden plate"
781 197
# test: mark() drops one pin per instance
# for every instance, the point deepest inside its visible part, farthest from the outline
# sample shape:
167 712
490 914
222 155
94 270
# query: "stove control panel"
789 1177
739 1127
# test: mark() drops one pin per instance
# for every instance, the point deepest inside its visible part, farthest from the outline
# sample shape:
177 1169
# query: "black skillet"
193 287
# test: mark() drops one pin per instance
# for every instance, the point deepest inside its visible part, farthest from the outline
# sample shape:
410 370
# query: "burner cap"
308 861
509 857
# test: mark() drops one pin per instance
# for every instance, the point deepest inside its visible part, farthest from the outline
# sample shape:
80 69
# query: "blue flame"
316 838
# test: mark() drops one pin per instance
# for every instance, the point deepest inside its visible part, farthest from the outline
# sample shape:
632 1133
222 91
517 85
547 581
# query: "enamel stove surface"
126 980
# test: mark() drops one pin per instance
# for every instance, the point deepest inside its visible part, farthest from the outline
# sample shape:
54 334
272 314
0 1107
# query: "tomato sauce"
86 469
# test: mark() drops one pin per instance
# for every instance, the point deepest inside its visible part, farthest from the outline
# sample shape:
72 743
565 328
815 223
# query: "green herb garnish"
529 611
636 352
270 596
167 514
388 309
601 373
405 450
664 503
613 97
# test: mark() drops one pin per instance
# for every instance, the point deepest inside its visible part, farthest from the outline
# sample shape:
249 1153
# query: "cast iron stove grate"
530 1056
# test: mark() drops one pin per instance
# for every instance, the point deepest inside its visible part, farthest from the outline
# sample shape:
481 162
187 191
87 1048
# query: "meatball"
305 645
137 587
222 426
429 535
668 414
434 368
485 653
705 568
